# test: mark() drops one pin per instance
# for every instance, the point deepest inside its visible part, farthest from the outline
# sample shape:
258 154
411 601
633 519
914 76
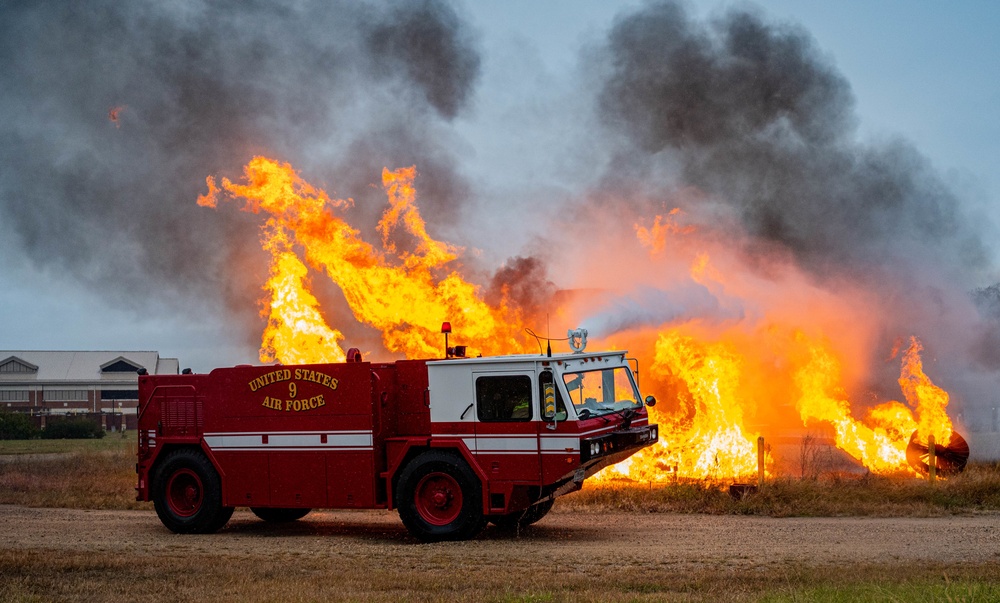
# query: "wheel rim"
185 493
438 498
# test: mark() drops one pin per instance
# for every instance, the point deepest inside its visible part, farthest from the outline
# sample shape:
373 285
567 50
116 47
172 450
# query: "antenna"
548 339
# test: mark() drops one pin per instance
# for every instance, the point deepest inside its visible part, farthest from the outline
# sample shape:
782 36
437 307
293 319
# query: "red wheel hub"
438 498
185 493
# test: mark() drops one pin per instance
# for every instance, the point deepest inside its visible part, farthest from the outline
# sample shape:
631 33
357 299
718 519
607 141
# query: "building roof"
84 365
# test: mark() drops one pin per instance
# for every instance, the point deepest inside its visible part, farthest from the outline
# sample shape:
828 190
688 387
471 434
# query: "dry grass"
38 576
975 490
100 474
83 474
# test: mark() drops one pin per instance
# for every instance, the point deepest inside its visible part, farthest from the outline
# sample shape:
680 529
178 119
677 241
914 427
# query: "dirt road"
571 538
367 556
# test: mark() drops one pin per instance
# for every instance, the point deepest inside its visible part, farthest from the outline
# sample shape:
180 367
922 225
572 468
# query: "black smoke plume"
523 282
426 42
758 118
113 114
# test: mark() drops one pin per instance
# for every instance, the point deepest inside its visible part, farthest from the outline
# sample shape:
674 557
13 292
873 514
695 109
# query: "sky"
921 72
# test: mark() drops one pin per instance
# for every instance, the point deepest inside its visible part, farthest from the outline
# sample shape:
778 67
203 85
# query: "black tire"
275 515
440 498
187 493
522 519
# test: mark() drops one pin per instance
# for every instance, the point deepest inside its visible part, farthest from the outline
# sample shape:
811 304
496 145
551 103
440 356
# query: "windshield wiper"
627 414
586 413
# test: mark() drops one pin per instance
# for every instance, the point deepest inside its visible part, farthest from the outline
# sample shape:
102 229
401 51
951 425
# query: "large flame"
878 448
704 437
725 348
405 295
926 398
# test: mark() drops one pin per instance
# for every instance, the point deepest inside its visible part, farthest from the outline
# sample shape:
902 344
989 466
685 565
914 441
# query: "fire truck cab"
451 444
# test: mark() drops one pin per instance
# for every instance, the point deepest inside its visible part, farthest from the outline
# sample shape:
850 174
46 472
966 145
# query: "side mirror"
650 401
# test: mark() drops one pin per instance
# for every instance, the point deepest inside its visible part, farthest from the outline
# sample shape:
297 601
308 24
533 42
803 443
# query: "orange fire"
296 331
114 115
877 448
705 436
406 295
767 358
926 398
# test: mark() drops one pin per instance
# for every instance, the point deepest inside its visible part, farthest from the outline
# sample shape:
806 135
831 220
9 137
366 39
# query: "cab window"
503 398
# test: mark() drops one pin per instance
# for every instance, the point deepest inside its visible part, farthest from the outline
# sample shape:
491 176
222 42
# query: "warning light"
446 328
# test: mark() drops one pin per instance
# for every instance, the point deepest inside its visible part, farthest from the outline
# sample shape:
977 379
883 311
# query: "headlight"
595 449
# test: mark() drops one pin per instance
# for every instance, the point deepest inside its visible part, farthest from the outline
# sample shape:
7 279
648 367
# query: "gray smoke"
758 118
648 307
752 114
426 41
986 347
747 111
523 282
201 88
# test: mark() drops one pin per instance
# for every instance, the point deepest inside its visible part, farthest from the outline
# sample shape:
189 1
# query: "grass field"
180 577
99 474
112 442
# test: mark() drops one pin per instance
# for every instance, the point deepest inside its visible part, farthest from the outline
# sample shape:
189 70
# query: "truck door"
558 439
506 427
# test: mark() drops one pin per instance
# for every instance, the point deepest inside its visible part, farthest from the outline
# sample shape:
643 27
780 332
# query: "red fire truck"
452 444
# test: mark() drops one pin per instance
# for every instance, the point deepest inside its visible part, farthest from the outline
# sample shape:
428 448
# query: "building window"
18 395
123 394
65 395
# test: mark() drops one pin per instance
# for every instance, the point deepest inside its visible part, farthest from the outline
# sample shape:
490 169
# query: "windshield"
601 392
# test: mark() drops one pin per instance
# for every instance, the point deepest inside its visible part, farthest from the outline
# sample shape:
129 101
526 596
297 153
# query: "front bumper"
605 450
618 445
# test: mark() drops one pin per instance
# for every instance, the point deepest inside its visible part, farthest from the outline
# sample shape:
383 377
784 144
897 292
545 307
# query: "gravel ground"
737 542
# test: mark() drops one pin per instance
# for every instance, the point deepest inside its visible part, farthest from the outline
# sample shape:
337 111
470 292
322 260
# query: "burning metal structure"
938 459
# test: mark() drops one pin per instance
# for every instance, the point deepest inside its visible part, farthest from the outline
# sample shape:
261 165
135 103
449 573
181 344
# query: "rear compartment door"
297 436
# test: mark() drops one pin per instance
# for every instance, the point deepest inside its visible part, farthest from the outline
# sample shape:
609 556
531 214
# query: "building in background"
46 383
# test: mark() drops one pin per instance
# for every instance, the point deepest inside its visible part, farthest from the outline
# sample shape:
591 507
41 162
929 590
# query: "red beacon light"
446 328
